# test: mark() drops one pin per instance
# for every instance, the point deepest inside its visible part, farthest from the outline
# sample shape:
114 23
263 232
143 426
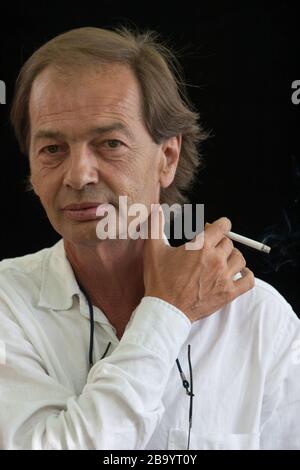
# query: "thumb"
156 223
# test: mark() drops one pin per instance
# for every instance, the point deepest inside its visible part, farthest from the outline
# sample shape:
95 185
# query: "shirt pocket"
178 440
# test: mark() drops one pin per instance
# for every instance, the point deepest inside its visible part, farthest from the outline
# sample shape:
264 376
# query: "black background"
240 59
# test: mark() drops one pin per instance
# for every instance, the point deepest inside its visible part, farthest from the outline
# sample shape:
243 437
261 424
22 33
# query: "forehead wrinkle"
120 112
95 130
122 102
124 106
44 120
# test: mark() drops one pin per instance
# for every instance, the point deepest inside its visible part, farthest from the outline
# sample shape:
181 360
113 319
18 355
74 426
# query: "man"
101 115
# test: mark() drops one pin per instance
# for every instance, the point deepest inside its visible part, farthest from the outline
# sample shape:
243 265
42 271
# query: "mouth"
85 211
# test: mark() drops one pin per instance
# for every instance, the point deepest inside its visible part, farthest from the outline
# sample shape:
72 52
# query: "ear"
30 186
170 152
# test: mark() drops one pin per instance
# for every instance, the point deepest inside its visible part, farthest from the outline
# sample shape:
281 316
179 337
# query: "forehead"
111 91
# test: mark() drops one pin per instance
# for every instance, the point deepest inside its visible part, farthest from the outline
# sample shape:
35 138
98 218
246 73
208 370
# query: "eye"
52 149
113 143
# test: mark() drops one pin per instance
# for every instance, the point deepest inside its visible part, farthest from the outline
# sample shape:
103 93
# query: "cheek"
127 177
144 168
144 188
45 189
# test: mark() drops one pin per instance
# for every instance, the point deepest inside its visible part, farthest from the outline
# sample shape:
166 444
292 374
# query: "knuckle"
215 233
251 279
225 286
230 294
242 261
239 256
218 229
219 261
225 223
229 244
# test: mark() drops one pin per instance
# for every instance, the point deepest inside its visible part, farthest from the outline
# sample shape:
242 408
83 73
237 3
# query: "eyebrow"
117 126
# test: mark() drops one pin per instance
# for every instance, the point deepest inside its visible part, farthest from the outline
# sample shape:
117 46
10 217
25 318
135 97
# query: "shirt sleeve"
121 403
281 405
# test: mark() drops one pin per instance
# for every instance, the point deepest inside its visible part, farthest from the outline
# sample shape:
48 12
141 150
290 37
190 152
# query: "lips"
85 211
83 205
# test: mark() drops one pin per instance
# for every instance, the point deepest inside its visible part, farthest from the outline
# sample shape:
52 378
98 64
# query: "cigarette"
247 241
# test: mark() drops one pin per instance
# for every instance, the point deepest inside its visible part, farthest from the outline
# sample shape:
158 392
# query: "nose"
82 168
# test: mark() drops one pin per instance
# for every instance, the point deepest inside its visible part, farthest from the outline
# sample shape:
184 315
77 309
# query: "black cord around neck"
92 323
188 388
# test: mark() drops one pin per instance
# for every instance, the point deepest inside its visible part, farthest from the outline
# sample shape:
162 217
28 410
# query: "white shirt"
245 360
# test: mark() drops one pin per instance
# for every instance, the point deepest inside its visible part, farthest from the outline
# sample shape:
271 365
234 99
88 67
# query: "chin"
79 235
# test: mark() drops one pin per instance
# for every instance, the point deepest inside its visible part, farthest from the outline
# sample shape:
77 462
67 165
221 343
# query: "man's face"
88 143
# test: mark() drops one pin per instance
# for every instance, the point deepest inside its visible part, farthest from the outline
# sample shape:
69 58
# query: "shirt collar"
58 283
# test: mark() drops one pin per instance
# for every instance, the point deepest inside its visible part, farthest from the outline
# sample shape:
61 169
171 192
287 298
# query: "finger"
196 243
236 262
244 283
225 246
215 232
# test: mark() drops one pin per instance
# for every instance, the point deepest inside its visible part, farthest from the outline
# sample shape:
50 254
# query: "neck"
111 272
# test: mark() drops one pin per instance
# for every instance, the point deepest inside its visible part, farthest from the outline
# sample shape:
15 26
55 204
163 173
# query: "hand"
197 282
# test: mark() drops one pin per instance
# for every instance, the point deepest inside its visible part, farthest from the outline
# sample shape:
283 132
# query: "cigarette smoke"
284 235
